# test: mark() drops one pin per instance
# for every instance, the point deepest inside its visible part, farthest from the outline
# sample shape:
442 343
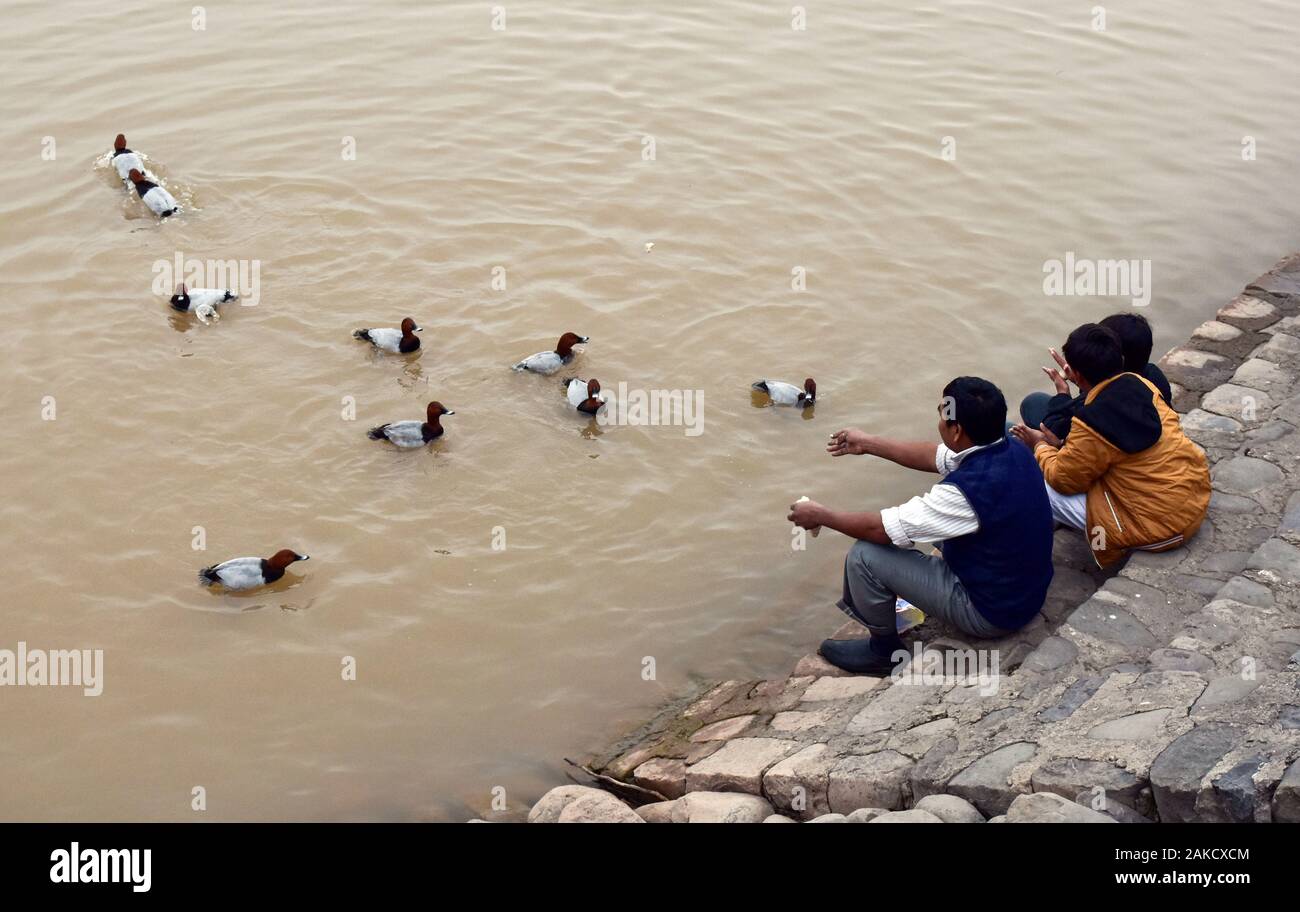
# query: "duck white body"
411 434
210 296
385 338
124 161
541 363
159 201
408 434
575 390
238 573
400 341
550 361
202 302
249 572
130 167
782 393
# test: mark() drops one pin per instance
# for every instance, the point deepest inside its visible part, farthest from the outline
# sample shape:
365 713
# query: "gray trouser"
875 575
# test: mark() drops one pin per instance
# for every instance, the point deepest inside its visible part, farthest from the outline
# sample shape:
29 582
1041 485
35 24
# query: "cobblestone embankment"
1168 691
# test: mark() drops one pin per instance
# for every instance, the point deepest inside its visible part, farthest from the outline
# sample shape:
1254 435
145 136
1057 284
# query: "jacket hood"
1123 411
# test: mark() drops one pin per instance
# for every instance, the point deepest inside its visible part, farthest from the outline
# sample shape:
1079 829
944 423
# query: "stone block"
739 765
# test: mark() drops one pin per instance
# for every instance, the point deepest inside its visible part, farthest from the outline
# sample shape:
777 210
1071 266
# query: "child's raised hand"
1061 384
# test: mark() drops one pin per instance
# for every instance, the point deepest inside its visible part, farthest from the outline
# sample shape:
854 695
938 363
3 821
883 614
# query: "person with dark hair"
1135 339
1127 474
1134 334
990 513
1095 353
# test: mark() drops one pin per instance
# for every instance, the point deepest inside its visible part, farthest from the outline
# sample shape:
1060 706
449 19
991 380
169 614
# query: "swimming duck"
124 160
159 201
398 341
551 361
412 433
783 393
202 302
249 572
584 395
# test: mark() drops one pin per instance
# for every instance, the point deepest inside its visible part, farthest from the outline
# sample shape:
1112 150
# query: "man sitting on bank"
990 512
1127 474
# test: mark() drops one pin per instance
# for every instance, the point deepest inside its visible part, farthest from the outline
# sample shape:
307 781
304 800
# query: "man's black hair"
1094 352
978 406
1134 338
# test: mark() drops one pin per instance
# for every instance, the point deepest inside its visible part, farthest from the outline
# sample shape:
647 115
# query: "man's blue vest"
1005 566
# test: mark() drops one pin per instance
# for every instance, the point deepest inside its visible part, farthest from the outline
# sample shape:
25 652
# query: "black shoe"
856 656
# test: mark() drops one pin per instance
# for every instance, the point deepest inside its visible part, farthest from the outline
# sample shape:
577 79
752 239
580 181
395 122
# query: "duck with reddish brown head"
584 395
411 434
396 341
551 361
124 160
159 201
249 572
782 393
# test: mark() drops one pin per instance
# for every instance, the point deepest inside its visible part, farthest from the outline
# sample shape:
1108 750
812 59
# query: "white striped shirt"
941 513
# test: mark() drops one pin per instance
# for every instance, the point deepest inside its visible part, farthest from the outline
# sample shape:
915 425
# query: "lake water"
546 155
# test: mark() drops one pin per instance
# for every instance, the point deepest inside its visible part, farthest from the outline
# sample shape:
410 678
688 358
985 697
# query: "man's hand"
849 442
1027 435
1032 438
807 514
914 454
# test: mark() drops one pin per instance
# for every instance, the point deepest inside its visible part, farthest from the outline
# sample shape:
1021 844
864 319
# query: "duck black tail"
208 576
377 433
362 334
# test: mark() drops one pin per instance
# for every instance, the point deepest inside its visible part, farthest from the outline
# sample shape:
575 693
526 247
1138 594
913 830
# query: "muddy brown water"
527 151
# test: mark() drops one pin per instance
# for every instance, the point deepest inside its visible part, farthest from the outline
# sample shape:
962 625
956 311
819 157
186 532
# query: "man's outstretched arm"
913 454
866 525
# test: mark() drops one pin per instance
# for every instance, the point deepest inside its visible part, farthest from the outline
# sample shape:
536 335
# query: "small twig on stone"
634 794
